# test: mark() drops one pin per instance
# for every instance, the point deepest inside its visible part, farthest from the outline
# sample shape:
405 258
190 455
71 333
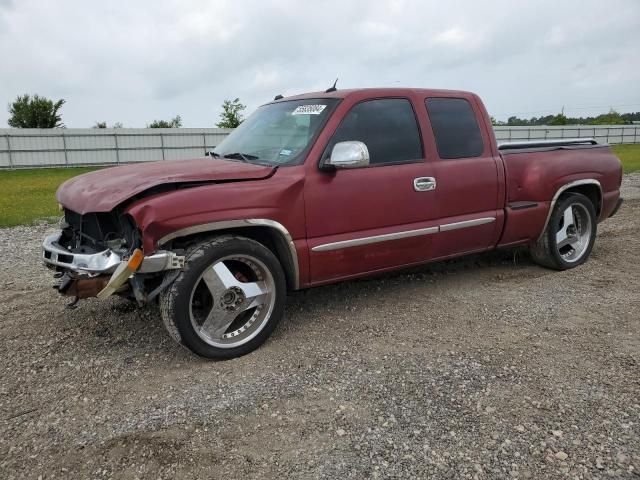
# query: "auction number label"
309 110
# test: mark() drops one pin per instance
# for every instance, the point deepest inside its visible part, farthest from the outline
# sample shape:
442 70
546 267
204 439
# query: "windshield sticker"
285 152
309 110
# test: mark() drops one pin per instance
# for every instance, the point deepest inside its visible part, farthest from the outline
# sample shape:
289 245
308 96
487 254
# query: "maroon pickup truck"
319 188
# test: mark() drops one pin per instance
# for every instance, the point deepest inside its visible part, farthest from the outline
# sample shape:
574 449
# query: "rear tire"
569 236
228 299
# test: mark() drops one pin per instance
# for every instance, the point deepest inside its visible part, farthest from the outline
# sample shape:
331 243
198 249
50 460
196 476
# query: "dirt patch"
485 367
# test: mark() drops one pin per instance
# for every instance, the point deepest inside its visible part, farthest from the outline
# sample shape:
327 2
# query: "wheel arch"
590 190
589 187
269 233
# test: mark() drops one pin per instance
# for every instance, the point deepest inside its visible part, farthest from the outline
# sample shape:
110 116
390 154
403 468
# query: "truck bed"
536 171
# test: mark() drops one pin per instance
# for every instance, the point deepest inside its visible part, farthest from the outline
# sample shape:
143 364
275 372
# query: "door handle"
424 184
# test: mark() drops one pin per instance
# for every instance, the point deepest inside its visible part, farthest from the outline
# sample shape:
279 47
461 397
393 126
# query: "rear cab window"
387 126
455 127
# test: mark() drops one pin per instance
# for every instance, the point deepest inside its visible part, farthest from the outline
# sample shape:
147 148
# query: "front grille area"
91 232
98 226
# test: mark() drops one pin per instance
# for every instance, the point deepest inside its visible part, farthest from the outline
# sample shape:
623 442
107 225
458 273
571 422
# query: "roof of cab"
376 92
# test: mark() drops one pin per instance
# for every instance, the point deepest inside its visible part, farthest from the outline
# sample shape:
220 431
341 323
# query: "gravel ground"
484 367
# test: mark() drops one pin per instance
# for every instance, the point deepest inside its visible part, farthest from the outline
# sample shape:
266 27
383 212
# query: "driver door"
372 218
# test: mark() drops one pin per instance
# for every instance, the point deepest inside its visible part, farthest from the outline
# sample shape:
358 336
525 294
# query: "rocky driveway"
484 367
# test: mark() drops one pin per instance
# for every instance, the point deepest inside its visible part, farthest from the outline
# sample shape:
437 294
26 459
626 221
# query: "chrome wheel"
573 234
232 301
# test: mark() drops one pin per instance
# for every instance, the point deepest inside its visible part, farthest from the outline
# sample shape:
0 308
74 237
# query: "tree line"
610 118
34 111
29 111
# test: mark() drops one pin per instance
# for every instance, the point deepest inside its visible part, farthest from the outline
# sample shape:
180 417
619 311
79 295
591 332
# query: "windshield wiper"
245 157
213 154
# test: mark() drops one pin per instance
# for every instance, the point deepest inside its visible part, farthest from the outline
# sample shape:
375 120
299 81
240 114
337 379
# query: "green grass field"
629 155
29 195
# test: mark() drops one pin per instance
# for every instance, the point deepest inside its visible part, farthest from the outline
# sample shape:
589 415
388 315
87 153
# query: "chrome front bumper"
103 262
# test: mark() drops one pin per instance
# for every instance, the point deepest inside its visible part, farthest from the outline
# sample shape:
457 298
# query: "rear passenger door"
467 175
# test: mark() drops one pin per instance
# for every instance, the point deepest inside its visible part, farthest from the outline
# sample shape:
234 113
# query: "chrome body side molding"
466 224
356 242
249 222
374 239
565 187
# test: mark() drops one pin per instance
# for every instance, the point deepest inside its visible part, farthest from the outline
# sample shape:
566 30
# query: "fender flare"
564 188
243 223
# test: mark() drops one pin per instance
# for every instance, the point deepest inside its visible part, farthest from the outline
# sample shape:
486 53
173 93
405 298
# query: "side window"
387 127
455 127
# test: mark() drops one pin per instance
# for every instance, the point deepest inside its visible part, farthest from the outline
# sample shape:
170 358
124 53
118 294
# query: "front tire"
569 236
228 299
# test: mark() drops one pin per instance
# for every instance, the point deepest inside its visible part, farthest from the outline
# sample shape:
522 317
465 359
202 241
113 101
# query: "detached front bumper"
101 263
103 273
55 255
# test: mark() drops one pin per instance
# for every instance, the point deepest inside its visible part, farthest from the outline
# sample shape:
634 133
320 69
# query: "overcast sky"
135 61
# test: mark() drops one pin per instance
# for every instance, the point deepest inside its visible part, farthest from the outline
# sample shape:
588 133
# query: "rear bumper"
617 207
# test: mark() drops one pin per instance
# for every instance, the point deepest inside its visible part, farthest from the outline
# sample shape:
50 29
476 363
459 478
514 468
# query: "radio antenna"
332 89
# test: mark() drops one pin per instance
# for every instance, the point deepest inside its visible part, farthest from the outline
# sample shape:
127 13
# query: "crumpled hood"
102 190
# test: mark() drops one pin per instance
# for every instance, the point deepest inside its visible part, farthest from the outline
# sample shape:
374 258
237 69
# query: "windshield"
277 133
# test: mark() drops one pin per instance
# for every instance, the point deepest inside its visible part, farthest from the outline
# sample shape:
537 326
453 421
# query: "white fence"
602 133
70 147
32 148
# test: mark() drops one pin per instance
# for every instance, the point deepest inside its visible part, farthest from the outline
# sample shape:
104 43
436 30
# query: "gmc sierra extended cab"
320 188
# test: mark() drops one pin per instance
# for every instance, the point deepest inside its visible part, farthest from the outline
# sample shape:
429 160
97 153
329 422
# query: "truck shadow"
512 261
120 325
502 265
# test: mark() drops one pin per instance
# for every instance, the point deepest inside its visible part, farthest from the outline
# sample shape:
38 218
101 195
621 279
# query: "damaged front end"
99 254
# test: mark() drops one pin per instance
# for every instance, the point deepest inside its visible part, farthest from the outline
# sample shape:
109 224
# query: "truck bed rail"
561 142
